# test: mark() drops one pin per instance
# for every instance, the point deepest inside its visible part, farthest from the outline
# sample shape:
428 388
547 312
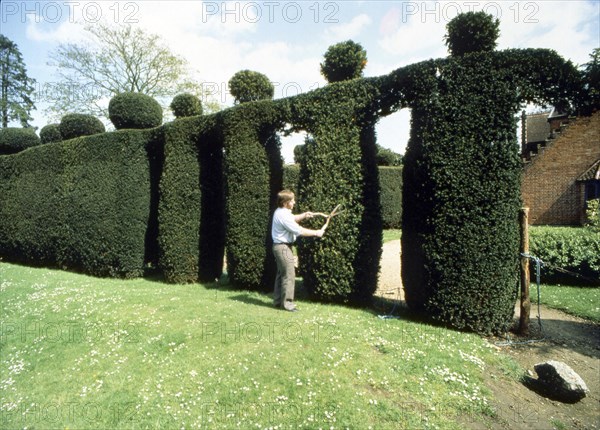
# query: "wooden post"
525 301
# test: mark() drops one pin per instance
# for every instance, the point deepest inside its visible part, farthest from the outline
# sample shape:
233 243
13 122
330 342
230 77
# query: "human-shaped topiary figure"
185 105
461 177
344 61
50 133
78 124
248 86
134 110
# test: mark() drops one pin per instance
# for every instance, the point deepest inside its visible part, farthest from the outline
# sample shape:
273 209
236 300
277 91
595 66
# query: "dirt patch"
561 337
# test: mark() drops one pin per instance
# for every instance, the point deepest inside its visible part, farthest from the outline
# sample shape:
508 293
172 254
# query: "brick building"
561 170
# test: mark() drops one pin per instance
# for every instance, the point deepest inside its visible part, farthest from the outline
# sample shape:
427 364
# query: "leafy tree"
15 97
247 86
472 32
122 59
344 61
591 76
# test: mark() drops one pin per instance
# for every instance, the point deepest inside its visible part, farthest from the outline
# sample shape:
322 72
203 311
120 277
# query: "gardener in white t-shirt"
284 231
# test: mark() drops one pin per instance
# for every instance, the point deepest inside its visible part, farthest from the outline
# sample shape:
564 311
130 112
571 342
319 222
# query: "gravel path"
390 282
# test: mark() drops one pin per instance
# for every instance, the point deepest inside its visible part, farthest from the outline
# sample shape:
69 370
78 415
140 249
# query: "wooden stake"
525 300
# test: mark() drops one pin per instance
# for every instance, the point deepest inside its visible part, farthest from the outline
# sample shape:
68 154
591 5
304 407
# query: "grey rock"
561 381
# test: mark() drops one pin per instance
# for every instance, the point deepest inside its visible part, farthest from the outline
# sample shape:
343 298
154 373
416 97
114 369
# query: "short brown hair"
283 197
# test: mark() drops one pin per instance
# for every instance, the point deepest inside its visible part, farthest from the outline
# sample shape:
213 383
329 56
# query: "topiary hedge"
14 139
191 209
343 265
134 110
185 105
50 133
84 204
462 183
76 125
253 170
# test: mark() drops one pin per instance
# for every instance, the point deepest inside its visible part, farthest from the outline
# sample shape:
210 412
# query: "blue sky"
286 40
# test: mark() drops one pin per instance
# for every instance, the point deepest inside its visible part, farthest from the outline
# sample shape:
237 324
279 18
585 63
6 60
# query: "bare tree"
120 59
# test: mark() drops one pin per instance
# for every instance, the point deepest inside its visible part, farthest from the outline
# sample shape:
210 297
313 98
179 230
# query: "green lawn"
583 302
82 352
389 235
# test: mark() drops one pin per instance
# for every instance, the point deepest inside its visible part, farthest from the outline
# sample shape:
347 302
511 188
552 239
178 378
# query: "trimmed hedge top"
134 110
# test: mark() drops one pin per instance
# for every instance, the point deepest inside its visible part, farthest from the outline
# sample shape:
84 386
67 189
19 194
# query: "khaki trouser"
283 295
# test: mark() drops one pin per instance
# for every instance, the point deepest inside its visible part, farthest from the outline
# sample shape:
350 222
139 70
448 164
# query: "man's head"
285 199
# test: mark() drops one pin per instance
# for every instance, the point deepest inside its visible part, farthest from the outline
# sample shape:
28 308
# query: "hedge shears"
336 211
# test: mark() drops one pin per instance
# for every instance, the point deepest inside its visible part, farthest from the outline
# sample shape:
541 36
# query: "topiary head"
344 61
14 139
184 105
472 32
134 110
75 125
247 86
50 133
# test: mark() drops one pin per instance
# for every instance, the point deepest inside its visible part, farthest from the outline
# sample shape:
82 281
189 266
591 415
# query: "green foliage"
247 86
82 204
76 125
14 139
390 183
191 209
592 214
574 249
472 32
291 177
134 110
184 105
50 133
344 61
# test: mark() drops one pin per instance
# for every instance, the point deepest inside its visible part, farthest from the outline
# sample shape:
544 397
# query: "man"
284 231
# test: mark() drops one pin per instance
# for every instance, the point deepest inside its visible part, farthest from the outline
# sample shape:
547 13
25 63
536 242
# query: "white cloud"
350 30
573 32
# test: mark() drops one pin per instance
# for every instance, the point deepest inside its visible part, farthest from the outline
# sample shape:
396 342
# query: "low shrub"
75 125
571 249
134 110
14 139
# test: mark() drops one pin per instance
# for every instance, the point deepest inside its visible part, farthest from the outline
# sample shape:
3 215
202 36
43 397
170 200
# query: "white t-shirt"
285 229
